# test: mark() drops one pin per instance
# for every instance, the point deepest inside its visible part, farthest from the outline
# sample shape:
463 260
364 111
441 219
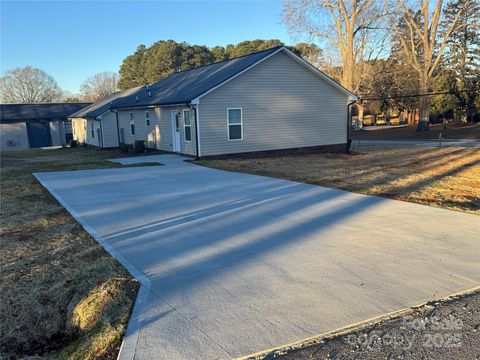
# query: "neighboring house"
269 100
97 123
24 126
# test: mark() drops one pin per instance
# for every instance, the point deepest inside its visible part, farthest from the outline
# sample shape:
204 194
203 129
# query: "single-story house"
24 126
269 100
97 124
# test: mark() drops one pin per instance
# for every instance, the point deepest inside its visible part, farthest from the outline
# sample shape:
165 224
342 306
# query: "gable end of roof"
298 59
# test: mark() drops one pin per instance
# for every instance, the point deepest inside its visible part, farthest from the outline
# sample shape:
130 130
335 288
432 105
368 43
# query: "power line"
367 97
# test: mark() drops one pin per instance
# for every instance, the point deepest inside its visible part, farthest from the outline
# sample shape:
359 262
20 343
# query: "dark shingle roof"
179 88
184 86
103 105
11 113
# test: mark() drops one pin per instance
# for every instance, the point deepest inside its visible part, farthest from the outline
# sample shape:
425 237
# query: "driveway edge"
310 341
130 338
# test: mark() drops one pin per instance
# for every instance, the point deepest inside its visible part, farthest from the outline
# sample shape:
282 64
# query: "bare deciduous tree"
28 85
349 26
422 43
98 86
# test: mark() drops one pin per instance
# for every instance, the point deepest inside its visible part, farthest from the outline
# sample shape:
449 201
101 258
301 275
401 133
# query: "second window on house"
92 129
187 123
147 118
132 123
235 124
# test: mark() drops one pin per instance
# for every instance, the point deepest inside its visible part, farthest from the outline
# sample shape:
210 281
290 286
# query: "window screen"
187 125
235 124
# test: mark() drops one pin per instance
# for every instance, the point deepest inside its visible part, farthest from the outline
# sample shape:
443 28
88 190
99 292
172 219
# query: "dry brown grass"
62 295
443 177
466 131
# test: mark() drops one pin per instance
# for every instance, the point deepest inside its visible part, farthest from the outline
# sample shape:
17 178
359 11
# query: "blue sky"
72 40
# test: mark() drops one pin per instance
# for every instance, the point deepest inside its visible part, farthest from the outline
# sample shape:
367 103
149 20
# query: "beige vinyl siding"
82 131
166 140
163 129
159 134
16 132
109 130
78 130
142 131
95 139
284 105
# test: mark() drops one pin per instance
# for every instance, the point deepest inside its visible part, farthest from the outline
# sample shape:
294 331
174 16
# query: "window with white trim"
187 125
147 118
92 130
132 123
235 123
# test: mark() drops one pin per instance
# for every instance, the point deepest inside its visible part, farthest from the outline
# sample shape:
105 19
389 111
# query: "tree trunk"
457 115
361 110
424 105
411 117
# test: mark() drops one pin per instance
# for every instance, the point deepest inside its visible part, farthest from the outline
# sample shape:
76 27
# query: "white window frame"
185 126
131 115
228 122
148 120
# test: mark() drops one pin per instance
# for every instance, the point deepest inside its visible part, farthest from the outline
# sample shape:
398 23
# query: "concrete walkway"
234 264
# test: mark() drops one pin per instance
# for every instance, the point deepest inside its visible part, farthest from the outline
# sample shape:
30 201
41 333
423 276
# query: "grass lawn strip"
63 295
441 177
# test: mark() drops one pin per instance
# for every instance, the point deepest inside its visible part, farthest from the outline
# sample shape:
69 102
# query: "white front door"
176 131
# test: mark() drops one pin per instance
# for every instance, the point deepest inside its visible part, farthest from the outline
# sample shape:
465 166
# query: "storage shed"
24 126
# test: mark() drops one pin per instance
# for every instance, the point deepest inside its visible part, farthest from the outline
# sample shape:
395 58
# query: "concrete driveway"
234 264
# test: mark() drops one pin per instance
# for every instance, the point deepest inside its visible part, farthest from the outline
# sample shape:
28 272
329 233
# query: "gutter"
150 106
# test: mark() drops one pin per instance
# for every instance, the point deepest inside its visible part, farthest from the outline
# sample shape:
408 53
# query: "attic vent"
136 98
149 93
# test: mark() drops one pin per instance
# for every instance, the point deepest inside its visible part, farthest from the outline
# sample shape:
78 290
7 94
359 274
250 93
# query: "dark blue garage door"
39 134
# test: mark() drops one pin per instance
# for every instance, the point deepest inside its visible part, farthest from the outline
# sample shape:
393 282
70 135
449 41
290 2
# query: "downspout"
197 130
349 125
101 132
118 127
